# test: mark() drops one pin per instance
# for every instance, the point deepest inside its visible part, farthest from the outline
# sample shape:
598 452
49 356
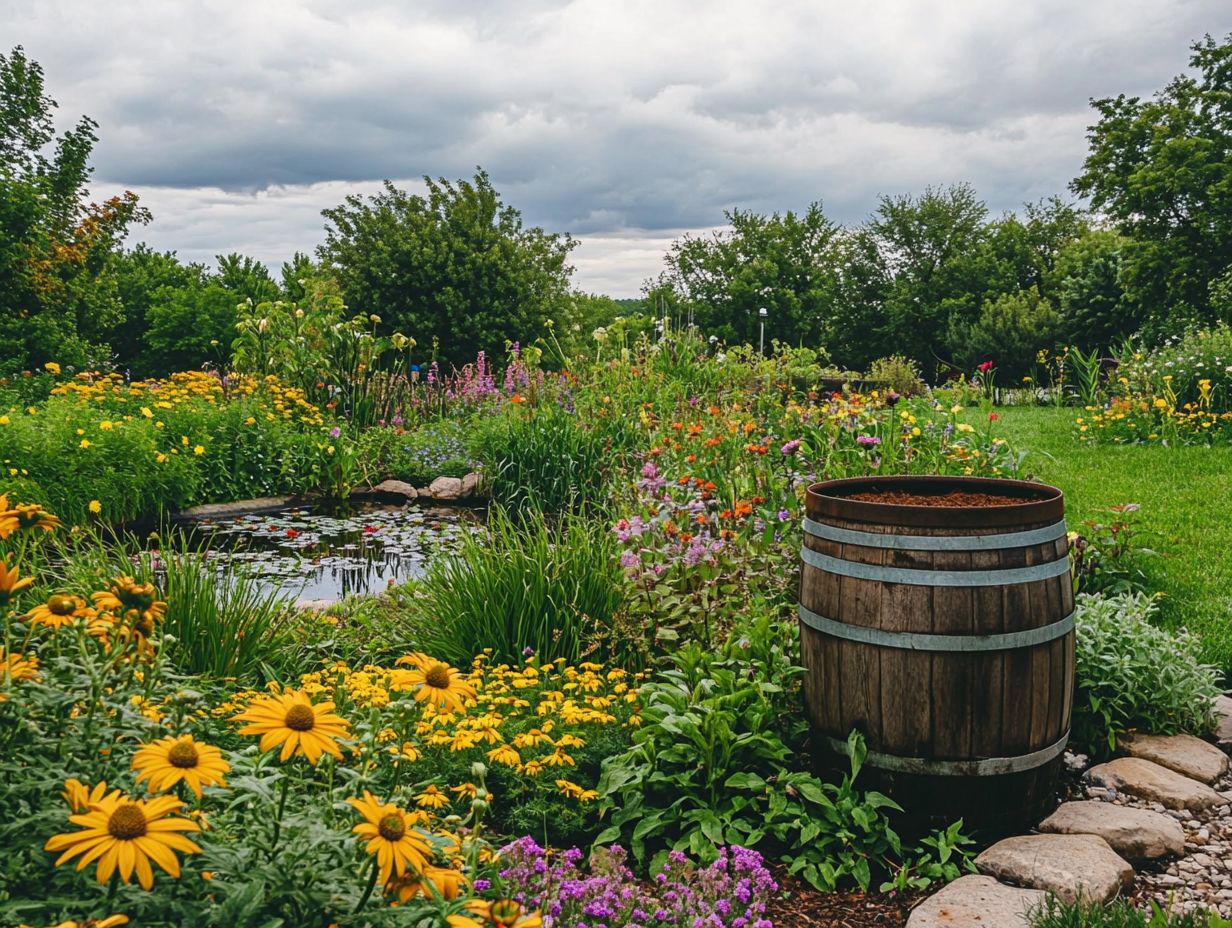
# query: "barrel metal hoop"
878 572
913 641
985 767
1036 536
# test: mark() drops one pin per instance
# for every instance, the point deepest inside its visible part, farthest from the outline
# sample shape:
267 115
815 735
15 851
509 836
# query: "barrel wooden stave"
943 705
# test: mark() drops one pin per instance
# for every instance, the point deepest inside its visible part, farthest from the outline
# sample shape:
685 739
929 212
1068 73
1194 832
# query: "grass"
1186 499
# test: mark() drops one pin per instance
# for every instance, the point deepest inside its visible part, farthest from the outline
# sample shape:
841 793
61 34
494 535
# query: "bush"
1010 330
1131 675
551 587
899 373
1177 370
436 449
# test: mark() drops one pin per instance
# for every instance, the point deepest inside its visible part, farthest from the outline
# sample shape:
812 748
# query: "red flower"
292 533
993 417
985 367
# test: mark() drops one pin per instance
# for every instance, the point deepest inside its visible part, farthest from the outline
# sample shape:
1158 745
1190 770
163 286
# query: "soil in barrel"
955 499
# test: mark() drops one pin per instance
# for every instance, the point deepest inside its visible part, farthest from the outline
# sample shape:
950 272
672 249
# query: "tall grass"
555 588
547 458
1119 914
223 626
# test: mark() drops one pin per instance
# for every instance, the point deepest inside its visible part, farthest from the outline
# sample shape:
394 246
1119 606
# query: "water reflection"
316 556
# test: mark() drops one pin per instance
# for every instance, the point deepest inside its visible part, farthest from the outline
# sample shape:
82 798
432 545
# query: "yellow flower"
16 667
124 835
438 684
432 798
60 609
25 516
446 881
53 367
199 450
168 761
504 755
95 506
80 797
84 443
290 719
10 585
391 836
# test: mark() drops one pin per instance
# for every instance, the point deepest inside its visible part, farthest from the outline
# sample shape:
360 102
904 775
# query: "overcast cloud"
623 122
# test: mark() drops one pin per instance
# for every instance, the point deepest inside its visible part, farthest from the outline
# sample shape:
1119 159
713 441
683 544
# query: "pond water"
319 556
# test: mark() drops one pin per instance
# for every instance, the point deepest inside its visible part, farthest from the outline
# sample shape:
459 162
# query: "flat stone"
471 484
1148 780
396 488
1135 834
977 902
1073 867
1223 716
446 488
237 508
1187 755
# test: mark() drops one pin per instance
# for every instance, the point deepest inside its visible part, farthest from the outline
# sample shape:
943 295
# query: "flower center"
504 911
392 827
183 755
437 677
62 605
300 717
126 822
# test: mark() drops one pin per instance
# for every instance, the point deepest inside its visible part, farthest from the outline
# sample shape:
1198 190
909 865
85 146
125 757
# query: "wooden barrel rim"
831 499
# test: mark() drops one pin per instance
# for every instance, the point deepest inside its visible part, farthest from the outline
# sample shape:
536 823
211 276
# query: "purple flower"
335 432
784 515
868 441
790 447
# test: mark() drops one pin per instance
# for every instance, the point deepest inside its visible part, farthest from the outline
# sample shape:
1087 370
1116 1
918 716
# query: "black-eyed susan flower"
432 798
505 754
60 609
123 835
10 583
25 517
290 719
168 761
15 668
434 682
430 882
111 921
392 837
499 913
134 604
80 797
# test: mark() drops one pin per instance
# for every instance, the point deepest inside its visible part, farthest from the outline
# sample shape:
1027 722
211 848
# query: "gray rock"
1187 755
237 508
977 902
1135 834
1223 714
396 488
1147 780
446 488
1071 866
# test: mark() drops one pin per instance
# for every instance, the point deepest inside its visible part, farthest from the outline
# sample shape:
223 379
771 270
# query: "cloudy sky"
623 122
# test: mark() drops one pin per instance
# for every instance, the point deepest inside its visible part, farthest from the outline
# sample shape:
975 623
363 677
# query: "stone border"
441 490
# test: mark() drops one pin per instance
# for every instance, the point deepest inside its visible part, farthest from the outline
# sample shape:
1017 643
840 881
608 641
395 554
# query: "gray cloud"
622 123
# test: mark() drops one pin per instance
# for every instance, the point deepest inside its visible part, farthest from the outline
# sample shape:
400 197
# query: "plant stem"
282 804
363 900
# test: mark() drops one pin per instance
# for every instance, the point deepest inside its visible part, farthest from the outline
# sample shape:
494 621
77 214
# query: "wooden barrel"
945 635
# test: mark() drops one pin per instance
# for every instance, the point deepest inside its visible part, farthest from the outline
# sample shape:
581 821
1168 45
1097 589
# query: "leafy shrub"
709 767
1132 675
1106 557
545 457
1010 330
1177 369
1119 914
526 583
435 449
899 373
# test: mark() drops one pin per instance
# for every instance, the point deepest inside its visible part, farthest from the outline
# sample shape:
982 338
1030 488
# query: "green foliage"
709 766
1010 330
1176 368
431 450
1105 555
788 264
1096 314
546 456
899 374
525 583
453 268
1159 169
1131 675
57 250
1118 914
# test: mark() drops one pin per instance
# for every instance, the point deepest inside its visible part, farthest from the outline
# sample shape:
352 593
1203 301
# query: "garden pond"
317 555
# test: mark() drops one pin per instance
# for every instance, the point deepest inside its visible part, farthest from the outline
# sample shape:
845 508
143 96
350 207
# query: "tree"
1161 170
788 264
1010 331
456 266
920 242
58 292
141 273
1095 310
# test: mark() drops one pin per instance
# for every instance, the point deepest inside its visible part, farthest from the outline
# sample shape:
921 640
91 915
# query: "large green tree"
1161 170
58 290
788 264
455 266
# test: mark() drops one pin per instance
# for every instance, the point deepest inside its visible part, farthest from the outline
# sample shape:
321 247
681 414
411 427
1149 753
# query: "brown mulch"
801 906
956 499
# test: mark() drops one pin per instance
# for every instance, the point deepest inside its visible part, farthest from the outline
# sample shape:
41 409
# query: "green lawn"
1186 499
